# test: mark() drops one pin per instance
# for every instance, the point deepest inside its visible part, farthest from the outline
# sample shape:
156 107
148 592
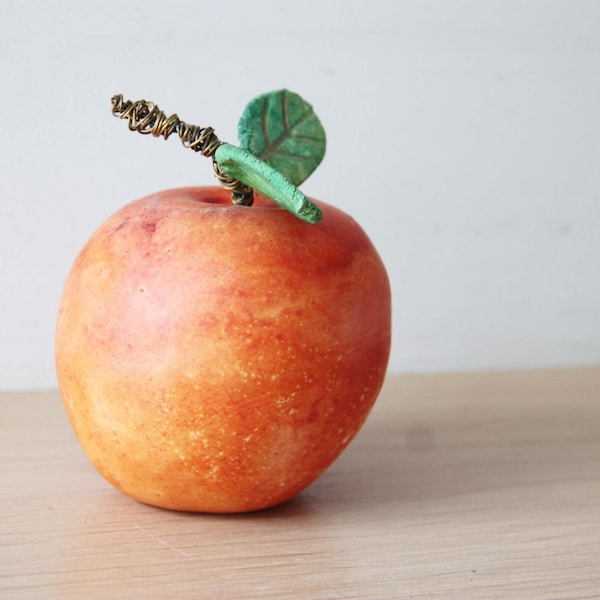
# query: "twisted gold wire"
199 139
146 118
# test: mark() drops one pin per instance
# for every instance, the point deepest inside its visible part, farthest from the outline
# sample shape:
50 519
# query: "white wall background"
463 135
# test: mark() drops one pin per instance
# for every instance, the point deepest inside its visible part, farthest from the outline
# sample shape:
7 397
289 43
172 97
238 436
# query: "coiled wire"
146 118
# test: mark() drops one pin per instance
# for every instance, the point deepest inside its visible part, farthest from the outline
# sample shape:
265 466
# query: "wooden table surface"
459 486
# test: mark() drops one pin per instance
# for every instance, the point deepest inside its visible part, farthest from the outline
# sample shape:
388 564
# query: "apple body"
218 358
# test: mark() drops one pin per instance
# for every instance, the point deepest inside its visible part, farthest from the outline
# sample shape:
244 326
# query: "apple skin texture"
218 358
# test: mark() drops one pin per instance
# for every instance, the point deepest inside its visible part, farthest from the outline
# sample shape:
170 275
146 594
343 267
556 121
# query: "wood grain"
459 486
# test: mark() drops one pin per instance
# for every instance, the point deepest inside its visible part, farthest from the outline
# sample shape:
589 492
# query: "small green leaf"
282 130
255 173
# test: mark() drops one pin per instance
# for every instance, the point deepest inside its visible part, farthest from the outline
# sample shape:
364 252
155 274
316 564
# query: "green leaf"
253 172
281 129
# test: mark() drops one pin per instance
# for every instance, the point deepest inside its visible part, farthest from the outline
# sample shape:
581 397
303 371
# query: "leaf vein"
264 124
272 145
285 112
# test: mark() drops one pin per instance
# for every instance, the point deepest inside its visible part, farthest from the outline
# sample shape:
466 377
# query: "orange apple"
218 358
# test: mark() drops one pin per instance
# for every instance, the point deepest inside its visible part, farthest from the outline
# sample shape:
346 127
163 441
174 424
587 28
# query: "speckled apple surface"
219 358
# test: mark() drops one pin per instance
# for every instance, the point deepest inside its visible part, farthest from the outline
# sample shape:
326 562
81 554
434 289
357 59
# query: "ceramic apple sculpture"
218 357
